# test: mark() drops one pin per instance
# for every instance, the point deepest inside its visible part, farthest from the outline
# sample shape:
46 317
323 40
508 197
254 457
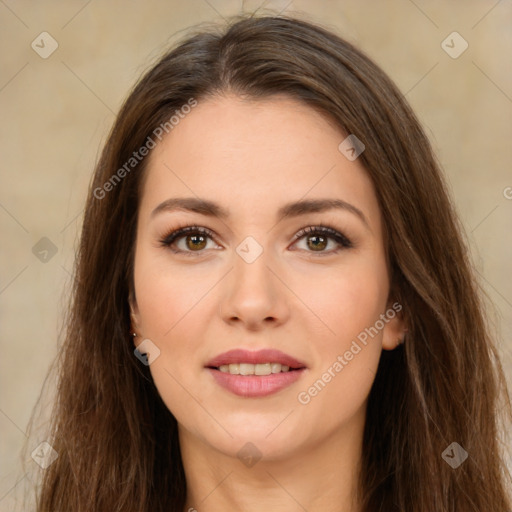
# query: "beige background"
55 114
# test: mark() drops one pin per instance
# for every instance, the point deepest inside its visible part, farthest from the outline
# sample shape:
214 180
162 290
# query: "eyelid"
327 231
180 232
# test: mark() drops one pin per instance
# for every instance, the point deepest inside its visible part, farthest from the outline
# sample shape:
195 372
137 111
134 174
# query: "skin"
252 157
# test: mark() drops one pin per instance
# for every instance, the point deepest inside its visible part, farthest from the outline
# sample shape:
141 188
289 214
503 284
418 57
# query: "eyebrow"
293 209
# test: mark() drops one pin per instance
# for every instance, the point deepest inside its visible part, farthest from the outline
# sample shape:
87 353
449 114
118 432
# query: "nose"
254 294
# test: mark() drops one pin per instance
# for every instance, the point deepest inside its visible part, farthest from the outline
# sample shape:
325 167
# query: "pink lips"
253 386
257 357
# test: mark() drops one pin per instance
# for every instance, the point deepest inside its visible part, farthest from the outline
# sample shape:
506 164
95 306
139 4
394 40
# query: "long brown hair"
116 440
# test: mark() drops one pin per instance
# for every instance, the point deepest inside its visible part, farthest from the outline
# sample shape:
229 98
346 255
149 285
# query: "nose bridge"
252 276
255 293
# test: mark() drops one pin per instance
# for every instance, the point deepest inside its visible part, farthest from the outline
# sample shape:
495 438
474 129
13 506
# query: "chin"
254 448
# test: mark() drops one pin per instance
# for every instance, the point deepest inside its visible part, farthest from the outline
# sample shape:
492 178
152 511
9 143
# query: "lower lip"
252 386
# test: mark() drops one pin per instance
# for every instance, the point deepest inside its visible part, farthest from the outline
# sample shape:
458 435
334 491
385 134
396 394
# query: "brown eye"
195 240
318 237
316 242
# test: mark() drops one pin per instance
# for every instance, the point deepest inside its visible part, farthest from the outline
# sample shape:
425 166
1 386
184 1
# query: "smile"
254 374
254 369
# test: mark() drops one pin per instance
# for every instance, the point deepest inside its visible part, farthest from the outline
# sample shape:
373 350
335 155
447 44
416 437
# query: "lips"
240 356
246 373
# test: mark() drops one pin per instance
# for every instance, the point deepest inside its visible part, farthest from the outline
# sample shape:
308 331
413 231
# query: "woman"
273 305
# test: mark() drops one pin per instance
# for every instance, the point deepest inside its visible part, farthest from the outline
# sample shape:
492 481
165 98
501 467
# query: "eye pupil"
315 245
201 244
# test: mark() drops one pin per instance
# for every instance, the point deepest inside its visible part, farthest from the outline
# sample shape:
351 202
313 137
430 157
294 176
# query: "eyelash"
320 229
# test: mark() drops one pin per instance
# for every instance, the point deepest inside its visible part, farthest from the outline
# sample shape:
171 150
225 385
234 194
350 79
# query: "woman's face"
248 283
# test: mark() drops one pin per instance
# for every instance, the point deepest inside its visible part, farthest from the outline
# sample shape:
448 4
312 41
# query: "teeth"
262 369
253 369
275 367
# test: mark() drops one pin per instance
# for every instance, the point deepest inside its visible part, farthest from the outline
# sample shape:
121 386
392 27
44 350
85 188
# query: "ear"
395 328
134 316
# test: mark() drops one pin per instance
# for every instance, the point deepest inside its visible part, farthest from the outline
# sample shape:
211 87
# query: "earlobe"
394 333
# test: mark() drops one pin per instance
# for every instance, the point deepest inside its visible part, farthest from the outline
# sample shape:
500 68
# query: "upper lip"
254 357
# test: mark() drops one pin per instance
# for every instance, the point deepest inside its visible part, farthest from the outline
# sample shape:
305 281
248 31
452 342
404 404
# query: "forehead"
255 155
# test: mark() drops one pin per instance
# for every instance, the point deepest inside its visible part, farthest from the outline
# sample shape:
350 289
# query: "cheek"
348 351
167 297
173 318
344 301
